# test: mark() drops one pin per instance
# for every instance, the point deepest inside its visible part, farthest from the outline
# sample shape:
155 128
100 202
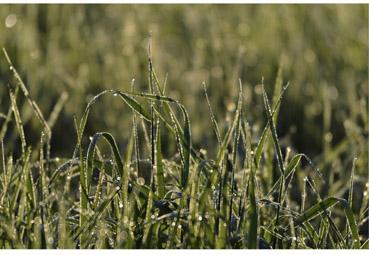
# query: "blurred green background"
83 49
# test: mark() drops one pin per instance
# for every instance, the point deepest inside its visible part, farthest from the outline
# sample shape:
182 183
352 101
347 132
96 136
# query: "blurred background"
83 49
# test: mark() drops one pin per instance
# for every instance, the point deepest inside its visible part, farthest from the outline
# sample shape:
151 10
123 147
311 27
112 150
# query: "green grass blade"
365 245
252 212
159 163
212 117
322 206
317 209
31 102
18 121
261 142
228 136
187 149
273 132
113 146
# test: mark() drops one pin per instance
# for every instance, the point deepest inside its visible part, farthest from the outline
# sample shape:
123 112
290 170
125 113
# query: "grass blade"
322 206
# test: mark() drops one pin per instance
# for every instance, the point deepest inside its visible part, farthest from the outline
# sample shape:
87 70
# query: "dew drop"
50 240
200 218
117 188
115 94
173 223
11 20
140 181
120 205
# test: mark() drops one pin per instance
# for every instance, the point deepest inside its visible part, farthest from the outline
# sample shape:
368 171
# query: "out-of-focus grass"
84 48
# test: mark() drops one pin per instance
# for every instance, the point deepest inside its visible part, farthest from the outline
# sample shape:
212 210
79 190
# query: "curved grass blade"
113 145
138 108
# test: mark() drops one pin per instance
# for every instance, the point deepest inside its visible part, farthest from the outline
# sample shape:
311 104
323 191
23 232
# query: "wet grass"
184 126
251 195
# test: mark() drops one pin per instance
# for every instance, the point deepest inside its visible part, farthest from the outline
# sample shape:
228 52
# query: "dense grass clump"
159 190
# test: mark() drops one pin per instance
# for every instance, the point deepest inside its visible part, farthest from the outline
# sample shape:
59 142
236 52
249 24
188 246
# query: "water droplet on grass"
140 181
50 240
11 20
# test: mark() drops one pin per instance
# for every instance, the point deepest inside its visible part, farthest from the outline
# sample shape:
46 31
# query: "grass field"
184 126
